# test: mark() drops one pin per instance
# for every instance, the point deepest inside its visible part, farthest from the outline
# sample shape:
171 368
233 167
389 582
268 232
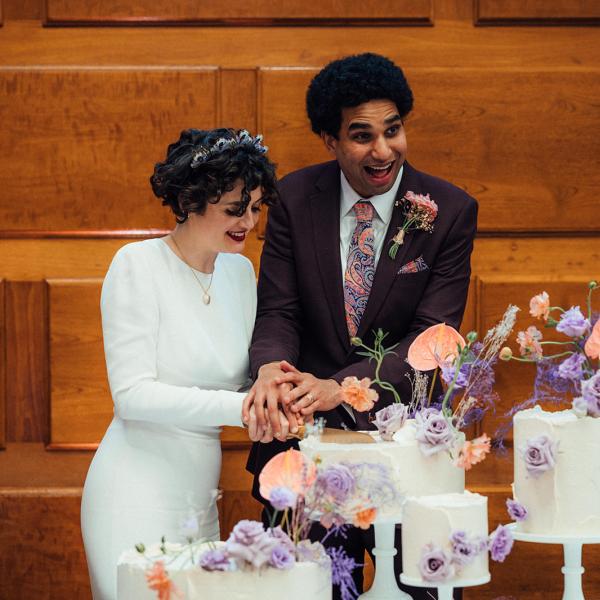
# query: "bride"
177 319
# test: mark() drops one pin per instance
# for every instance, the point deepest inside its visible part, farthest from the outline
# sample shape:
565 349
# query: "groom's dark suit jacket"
301 316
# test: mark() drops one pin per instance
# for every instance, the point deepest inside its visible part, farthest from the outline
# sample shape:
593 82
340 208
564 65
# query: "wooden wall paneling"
2 369
104 128
552 12
239 12
514 380
512 161
41 551
81 405
26 362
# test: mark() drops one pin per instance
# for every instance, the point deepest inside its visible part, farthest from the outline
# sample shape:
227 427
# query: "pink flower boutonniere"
420 213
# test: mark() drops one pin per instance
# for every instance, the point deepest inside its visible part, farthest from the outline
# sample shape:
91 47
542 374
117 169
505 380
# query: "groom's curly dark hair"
351 81
186 189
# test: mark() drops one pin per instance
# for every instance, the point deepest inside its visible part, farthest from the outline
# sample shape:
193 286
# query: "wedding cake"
414 473
557 472
445 539
190 582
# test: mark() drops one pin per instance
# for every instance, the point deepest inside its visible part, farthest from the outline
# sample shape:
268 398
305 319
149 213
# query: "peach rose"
529 342
365 518
539 306
592 346
358 393
473 452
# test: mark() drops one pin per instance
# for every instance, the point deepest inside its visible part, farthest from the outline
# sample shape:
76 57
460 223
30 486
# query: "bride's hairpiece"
243 138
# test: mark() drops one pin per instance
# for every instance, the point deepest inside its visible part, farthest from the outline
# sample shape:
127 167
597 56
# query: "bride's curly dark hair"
188 190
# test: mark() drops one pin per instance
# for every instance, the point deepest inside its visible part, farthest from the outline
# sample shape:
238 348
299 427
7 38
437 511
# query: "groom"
326 272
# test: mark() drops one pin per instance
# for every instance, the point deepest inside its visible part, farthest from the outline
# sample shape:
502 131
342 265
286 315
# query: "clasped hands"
283 398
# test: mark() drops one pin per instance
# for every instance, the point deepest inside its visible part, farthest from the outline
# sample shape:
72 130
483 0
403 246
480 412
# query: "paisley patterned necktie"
360 267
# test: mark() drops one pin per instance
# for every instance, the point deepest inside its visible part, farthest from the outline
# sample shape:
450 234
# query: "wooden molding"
2 367
536 12
30 234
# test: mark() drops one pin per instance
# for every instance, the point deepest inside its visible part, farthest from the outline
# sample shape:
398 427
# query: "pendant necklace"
205 290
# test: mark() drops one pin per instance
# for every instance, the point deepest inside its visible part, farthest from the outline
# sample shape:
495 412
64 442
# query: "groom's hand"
267 398
310 393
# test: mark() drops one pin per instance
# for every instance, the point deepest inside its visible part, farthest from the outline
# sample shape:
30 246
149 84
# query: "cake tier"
304 580
431 520
413 473
564 500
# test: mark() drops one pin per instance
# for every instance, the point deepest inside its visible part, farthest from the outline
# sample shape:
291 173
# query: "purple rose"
282 537
214 560
573 323
435 564
256 554
539 454
282 498
337 481
464 549
590 392
246 532
282 558
434 433
516 511
500 543
571 368
390 419
308 551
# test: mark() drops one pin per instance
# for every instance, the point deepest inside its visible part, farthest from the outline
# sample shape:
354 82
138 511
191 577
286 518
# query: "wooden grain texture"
103 131
515 12
26 362
2 368
513 161
80 401
238 12
21 9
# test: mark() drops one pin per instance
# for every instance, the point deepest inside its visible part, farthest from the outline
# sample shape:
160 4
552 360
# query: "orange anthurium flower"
290 469
592 346
434 347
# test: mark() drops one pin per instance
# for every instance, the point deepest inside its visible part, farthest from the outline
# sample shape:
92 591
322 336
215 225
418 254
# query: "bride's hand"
259 434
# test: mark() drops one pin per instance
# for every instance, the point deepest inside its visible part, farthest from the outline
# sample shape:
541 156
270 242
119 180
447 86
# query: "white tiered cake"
303 580
558 481
428 528
413 473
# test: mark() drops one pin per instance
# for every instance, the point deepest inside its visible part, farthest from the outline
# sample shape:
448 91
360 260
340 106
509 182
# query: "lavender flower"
434 433
282 537
282 498
282 558
464 549
390 419
500 543
246 532
250 543
572 367
539 454
214 560
516 510
573 323
337 481
435 564
590 392
462 378
342 566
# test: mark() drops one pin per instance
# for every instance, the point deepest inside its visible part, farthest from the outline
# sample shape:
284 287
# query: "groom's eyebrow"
359 125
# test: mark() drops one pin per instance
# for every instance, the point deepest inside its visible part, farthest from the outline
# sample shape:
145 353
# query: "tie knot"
363 210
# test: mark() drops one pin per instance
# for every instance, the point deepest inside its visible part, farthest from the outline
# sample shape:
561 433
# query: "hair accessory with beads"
243 138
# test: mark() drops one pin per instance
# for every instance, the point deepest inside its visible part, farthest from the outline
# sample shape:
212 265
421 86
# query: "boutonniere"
420 212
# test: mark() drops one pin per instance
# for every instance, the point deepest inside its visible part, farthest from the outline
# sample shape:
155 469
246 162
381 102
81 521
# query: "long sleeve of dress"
130 322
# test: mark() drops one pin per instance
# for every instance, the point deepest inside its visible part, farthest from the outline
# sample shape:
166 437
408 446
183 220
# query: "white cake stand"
384 584
573 569
445 591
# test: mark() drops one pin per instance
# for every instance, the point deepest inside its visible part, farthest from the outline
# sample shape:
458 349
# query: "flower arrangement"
439 564
466 368
420 212
301 492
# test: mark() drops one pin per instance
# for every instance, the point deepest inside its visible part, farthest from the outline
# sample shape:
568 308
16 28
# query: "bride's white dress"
175 366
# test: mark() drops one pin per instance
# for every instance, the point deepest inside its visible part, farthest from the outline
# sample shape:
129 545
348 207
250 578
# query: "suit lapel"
387 269
325 214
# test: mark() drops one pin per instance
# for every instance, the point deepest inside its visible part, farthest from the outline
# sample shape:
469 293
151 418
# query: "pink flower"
424 204
539 306
358 393
529 342
473 452
592 346
365 518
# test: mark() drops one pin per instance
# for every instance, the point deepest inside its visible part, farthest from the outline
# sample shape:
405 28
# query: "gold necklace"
205 295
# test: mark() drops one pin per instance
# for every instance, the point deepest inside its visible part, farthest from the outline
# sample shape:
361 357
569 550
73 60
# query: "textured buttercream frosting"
564 500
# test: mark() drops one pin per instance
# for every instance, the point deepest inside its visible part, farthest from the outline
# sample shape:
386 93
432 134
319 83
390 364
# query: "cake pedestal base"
572 545
445 591
384 585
